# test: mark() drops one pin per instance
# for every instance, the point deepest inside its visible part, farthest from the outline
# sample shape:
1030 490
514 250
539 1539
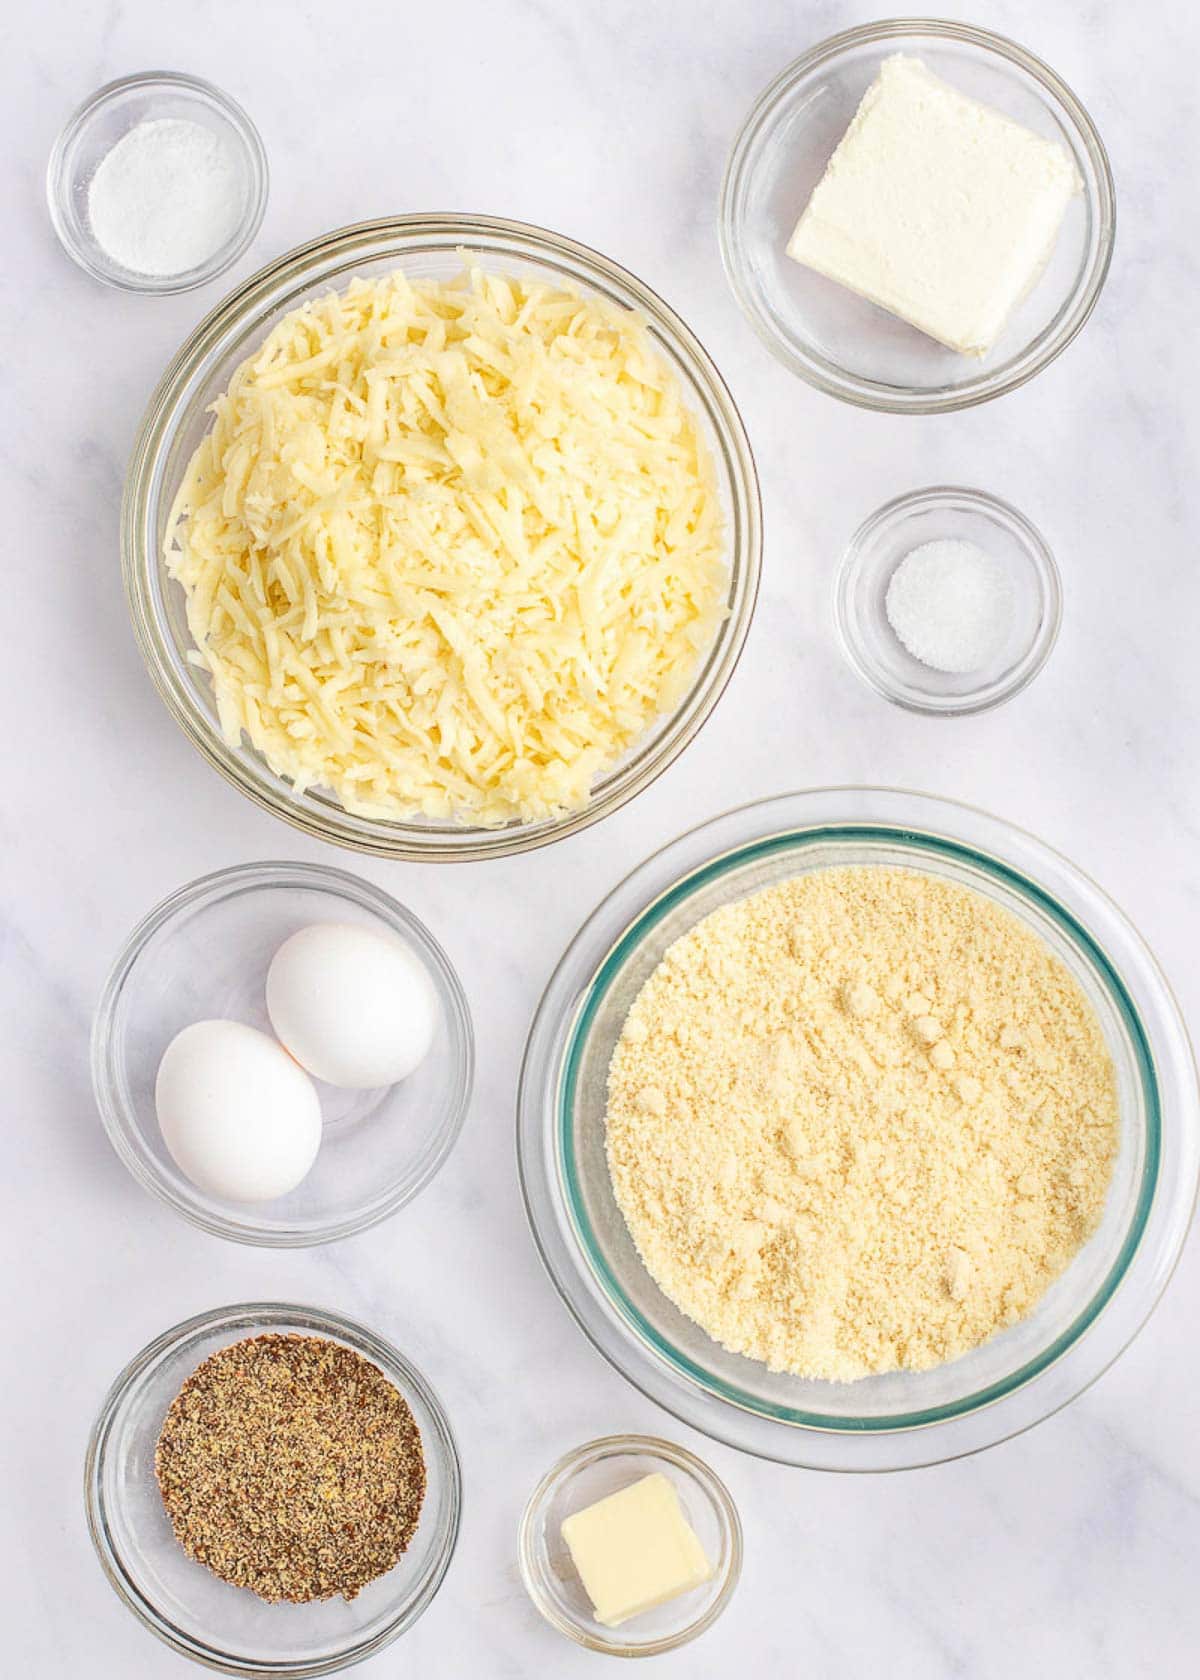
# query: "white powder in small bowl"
167 197
950 604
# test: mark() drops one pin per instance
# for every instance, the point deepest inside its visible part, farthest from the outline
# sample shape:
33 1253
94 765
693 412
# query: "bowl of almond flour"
859 1129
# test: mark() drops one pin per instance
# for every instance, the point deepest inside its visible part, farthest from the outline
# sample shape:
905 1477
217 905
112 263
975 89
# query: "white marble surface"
1070 1551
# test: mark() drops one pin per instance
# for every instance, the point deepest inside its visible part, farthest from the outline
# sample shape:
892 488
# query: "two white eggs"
238 1110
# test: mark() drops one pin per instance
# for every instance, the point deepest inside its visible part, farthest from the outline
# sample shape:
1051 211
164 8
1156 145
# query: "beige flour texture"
860 1121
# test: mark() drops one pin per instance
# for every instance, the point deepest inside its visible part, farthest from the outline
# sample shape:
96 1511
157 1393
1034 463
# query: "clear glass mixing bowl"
904 1418
426 247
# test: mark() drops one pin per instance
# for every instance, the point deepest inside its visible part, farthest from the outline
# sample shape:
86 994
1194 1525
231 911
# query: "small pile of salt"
950 604
167 197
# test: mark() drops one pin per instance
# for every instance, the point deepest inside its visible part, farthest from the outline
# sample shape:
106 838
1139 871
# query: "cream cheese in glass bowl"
833 337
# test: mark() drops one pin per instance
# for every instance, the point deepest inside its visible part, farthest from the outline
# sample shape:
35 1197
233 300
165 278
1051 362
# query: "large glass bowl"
829 335
425 247
901 1419
192 1610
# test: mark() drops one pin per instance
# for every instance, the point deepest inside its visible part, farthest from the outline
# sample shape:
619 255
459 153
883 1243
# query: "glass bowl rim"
328 256
1049 583
1153 1258
883 398
258 876
253 151
253 1318
653 1446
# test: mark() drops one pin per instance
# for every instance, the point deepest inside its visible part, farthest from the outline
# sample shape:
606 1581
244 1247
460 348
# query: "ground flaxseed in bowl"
859 1121
291 1466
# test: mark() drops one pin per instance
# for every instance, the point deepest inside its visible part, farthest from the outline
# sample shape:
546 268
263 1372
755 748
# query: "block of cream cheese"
937 208
635 1550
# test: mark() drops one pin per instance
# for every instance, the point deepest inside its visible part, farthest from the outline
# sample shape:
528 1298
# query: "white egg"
239 1117
355 1007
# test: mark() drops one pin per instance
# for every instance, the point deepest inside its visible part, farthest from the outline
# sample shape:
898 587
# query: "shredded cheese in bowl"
449 549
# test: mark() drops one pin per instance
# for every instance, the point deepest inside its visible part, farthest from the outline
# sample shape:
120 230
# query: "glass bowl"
828 335
860 600
201 1616
427 247
906 1418
95 129
592 1472
203 953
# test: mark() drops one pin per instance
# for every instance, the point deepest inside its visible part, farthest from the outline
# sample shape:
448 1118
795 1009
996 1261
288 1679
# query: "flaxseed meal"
291 1466
860 1121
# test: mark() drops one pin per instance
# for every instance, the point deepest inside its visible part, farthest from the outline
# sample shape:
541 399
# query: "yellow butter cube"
635 1550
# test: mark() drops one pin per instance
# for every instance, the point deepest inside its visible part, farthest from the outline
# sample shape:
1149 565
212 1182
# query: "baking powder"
167 197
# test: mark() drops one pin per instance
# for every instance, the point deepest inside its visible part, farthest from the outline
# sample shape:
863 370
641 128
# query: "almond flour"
860 1121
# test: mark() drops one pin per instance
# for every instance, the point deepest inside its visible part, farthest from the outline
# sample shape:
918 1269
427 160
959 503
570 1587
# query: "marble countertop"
1071 1550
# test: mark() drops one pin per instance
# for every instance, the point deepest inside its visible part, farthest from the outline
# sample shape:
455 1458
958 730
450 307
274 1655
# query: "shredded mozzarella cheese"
449 549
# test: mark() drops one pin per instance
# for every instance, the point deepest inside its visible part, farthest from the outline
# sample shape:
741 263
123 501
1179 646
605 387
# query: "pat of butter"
635 1550
939 209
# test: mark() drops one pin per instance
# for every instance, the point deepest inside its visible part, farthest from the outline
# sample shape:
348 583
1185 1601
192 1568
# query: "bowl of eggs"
282 1053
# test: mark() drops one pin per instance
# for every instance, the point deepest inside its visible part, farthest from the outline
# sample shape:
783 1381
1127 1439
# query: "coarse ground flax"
292 1466
859 1121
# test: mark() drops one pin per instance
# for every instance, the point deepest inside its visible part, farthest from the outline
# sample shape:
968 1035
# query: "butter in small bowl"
630 1545
635 1550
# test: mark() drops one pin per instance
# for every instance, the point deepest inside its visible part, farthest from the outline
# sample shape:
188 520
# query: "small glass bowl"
190 1609
827 334
203 953
860 600
95 129
592 1472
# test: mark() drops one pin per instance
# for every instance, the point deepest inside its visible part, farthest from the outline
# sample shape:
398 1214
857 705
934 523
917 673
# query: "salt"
167 197
950 604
